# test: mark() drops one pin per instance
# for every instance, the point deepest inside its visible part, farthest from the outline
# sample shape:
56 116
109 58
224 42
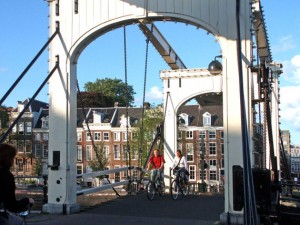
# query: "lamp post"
215 67
202 165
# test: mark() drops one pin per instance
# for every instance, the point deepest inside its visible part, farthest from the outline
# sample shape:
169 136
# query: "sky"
24 30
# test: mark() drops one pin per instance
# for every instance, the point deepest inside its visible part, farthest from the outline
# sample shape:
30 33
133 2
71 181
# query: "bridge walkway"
202 209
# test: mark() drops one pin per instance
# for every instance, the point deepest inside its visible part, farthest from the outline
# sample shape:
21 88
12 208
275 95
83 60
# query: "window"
202 134
45 151
28 127
21 146
125 152
124 136
105 136
222 148
117 175
212 134
206 119
222 134
192 170
79 153
45 123
21 128
79 169
222 163
97 136
116 152
212 148
204 174
28 146
189 134
202 145
38 153
134 153
79 136
20 164
212 164
45 136
106 151
116 136
88 153
190 152
88 136
213 175
37 136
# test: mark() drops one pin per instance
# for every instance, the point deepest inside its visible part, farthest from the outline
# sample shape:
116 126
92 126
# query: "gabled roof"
44 113
196 112
35 105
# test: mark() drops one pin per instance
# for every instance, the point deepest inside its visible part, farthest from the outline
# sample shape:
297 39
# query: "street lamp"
215 67
202 165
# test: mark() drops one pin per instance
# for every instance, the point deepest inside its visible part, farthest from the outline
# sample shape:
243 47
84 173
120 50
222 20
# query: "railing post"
45 189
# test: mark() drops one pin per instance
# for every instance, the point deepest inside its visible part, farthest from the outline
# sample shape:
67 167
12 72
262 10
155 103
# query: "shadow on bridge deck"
138 210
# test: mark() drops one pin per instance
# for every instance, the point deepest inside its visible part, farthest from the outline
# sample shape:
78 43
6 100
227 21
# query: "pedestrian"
8 201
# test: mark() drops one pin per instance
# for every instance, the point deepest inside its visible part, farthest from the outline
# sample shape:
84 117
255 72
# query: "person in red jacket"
8 199
156 163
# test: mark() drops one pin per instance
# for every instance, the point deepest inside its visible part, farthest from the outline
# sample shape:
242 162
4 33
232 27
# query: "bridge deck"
190 210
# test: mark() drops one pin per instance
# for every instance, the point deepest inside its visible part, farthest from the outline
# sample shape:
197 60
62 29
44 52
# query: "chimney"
20 106
146 105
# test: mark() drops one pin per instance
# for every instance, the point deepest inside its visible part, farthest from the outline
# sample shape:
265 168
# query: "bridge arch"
91 35
80 26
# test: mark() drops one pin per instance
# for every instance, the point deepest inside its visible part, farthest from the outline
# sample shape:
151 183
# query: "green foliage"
115 89
100 161
153 117
38 167
94 99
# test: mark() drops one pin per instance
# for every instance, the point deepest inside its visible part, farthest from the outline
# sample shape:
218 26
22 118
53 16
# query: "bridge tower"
81 22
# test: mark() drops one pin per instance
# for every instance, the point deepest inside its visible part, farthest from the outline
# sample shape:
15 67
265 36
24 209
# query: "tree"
114 89
153 117
93 99
100 161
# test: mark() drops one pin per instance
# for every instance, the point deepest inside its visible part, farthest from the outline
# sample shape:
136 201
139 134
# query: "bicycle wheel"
161 188
150 190
185 189
174 190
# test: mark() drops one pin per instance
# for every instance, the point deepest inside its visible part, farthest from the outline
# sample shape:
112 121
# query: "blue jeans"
155 175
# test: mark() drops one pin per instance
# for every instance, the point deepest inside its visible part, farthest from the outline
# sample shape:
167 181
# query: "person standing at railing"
8 187
156 163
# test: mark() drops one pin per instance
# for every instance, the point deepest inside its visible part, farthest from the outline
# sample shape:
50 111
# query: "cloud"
290 106
2 69
155 94
291 70
285 43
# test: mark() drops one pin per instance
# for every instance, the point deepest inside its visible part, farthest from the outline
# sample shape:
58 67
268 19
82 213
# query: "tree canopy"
114 89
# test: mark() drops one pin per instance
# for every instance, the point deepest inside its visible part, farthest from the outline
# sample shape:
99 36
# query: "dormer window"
183 119
124 121
96 117
207 119
45 122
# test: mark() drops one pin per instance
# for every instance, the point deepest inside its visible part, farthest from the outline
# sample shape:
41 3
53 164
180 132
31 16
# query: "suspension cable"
89 130
128 159
143 103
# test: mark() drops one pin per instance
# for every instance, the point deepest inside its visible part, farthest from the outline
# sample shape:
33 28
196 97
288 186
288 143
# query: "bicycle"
156 186
25 213
179 186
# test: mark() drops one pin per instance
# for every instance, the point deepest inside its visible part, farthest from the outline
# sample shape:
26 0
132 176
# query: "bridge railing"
129 182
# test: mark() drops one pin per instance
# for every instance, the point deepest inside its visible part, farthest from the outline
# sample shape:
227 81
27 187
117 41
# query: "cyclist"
156 162
180 166
8 187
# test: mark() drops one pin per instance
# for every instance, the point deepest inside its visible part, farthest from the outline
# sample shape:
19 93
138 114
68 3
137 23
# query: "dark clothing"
7 193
